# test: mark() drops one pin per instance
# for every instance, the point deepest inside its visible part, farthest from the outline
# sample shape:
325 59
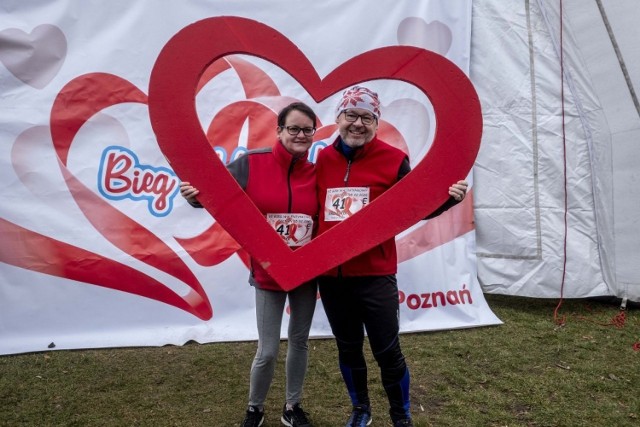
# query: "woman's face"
299 143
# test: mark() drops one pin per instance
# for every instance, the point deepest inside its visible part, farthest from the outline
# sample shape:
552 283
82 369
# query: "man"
363 292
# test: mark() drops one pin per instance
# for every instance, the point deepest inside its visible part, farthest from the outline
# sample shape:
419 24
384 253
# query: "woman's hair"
299 106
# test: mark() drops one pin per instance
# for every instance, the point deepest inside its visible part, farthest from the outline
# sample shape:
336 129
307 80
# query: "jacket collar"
285 158
353 153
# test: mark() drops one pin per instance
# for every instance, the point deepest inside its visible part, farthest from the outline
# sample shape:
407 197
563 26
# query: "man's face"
357 126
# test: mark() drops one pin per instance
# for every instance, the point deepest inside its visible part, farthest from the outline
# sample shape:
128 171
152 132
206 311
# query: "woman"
282 184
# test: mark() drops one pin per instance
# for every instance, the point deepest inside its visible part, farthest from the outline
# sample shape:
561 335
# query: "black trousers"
356 304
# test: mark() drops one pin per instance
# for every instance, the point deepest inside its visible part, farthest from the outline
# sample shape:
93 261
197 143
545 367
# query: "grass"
527 372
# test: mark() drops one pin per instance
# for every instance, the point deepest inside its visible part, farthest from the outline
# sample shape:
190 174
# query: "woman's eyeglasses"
295 130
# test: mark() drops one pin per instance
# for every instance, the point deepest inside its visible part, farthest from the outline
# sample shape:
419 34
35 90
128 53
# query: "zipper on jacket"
290 203
346 181
346 176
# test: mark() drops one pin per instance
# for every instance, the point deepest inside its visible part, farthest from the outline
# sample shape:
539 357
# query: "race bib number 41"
343 202
295 229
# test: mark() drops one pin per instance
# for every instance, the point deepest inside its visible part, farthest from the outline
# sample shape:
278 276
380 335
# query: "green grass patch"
527 372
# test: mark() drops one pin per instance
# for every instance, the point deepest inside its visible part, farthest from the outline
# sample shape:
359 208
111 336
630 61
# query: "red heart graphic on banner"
172 109
88 95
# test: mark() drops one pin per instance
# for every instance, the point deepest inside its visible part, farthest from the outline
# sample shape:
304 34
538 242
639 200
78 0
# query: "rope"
618 321
562 320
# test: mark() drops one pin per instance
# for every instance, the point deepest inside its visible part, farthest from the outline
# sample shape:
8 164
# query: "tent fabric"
557 84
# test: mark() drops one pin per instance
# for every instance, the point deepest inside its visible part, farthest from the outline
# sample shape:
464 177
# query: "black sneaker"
403 423
254 417
360 416
295 417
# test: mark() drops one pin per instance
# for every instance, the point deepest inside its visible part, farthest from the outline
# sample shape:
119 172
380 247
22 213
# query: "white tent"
557 202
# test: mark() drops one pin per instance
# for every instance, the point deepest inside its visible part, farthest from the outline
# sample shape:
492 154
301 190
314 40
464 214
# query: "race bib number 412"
341 203
295 229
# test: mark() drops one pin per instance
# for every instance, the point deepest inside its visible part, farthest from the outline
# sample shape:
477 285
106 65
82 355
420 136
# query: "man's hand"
189 192
458 190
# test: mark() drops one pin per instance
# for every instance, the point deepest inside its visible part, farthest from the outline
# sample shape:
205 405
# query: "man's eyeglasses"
295 130
351 117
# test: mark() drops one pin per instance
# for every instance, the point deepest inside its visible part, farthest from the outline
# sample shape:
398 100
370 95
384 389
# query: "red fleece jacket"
375 166
276 183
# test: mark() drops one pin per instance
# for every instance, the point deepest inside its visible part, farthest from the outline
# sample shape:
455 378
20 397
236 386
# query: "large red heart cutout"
172 109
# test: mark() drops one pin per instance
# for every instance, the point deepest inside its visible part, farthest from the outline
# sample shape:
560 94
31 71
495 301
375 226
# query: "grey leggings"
269 309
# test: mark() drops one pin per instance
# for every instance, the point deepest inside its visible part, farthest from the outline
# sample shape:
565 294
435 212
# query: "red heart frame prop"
172 110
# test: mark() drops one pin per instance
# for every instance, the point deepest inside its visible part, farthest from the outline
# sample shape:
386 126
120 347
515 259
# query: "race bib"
295 229
343 202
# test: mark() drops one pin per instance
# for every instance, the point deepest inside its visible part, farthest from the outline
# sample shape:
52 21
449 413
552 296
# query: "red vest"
276 184
375 166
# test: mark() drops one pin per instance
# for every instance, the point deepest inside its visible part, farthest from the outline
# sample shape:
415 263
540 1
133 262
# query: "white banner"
98 249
